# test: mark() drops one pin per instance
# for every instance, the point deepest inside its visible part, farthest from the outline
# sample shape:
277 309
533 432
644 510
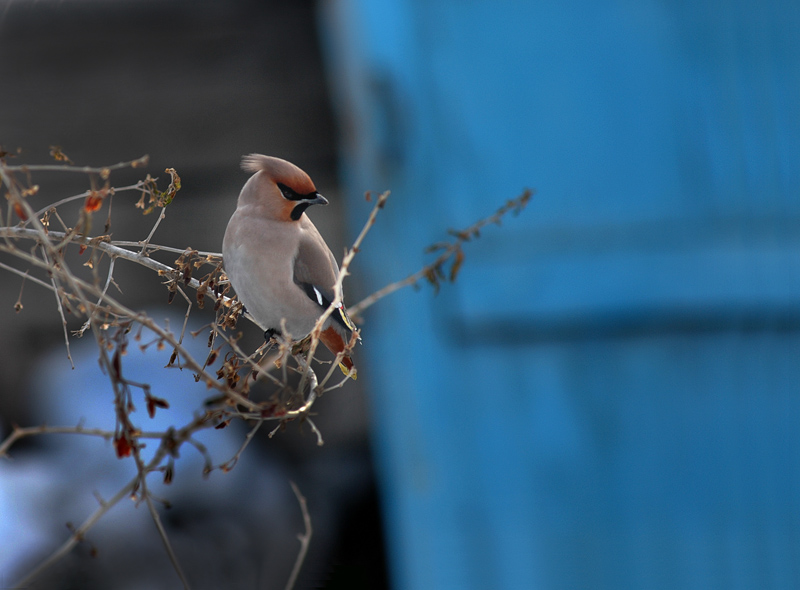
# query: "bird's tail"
336 344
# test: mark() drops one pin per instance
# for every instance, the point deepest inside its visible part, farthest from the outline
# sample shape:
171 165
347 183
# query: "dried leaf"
58 154
430 274
153 403
20 212
94 200
457 262
122 446
169 473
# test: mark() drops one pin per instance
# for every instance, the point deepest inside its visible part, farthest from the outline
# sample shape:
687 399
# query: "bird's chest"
263 276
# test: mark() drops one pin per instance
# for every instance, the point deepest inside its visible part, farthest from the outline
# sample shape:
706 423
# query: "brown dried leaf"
58 154
457 262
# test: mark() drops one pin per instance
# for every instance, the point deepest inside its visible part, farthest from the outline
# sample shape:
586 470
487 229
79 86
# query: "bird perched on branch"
276 259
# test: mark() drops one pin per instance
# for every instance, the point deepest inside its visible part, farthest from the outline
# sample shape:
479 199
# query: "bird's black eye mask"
303 201
292 195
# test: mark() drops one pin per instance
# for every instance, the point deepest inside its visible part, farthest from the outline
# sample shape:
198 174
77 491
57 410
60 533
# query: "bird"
276 260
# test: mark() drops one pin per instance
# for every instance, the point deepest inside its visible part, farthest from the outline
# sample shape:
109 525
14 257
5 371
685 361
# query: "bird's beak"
317 200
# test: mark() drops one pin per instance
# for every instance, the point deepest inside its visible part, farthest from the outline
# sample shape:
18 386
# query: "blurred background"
608 396
195 85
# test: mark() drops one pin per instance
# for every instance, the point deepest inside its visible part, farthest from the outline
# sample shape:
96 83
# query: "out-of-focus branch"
168 444
77 535
103 171
434 272
305 538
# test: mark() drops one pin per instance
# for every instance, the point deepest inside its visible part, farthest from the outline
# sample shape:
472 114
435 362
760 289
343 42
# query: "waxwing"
277 261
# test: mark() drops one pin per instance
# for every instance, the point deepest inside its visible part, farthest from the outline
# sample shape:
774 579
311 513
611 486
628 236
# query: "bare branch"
78 197
343 272
77 535
92 315
110 248
153 231
231 463
163 534
26 276
157 519
18 433
450 250
304 539
103 171
57 292
159 248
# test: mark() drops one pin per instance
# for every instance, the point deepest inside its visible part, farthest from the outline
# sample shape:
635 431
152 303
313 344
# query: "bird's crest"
279 171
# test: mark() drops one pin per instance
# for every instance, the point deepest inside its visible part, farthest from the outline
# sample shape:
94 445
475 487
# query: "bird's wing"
315 272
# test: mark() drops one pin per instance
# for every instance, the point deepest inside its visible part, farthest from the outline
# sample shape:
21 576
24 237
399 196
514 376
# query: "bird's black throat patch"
298 210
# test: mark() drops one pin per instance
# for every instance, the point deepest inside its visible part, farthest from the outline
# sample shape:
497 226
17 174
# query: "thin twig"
316 431
77 535
343 272
57 292
102 170
450 249
304 539
19 433
163 534
78 286
83 195
312 389
109 248
257 368
161 216
170 441
231 463
90 319
158 247
26 276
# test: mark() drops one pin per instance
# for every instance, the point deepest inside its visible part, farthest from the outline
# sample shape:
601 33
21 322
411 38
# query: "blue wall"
609 397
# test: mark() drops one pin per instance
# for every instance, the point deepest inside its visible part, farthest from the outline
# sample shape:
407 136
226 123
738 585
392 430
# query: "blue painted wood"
609 396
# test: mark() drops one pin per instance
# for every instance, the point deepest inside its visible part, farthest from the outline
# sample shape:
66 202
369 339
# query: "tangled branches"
37 241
